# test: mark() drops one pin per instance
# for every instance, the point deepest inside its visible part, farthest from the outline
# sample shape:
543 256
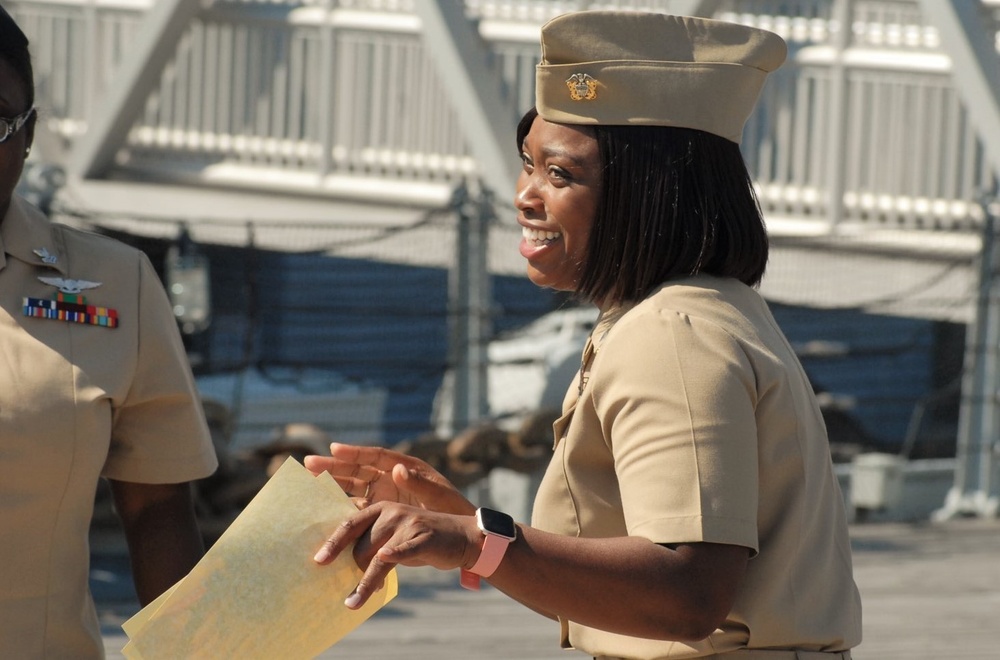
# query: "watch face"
496 522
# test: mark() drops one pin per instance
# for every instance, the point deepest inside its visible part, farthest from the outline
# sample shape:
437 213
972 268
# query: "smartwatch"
499 531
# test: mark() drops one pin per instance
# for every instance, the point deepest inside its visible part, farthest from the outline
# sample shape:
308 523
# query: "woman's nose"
526 196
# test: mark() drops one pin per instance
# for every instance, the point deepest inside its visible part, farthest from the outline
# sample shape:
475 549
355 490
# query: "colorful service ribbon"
72 308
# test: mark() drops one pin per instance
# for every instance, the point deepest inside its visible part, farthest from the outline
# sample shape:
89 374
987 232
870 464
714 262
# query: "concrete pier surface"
930 591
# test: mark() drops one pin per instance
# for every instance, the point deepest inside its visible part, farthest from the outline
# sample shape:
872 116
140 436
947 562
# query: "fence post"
469 302
974 491
842 13
327 116
90 71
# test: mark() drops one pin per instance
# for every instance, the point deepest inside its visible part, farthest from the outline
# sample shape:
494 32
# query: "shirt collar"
23 231
606 321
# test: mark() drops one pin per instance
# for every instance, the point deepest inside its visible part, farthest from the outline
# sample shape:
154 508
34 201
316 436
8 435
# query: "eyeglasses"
10 126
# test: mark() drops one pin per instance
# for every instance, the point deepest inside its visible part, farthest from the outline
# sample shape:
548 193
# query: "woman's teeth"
538 237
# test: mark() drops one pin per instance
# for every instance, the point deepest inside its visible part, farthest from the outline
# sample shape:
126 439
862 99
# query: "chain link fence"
347 326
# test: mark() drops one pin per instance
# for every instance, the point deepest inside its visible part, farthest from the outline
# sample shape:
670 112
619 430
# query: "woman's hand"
377 474
387 534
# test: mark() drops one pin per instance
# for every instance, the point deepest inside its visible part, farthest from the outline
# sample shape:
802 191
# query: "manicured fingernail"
353 600
322 555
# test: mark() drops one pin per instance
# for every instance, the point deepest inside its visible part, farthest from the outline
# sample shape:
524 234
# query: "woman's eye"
526 162
559 173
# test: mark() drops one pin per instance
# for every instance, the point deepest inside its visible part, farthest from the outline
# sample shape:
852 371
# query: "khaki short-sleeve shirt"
78 401
696 422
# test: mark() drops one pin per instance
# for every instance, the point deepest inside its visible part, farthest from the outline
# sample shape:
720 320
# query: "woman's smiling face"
558 191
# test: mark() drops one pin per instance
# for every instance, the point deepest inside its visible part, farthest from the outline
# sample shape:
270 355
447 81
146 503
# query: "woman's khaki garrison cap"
639 68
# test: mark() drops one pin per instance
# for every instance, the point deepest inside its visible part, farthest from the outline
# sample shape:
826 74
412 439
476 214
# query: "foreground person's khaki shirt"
78 401
697 423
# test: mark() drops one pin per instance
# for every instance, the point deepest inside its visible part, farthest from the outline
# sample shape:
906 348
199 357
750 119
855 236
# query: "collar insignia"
45 256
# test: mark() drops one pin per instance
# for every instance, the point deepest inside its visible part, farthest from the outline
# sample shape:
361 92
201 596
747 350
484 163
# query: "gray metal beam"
110 121
487 116
975 65
976 75
975 490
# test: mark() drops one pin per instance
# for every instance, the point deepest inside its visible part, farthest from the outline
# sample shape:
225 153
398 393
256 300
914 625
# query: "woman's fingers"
318 464
373 579
358 481
362 473
429 493
384 460
341 469
346 533
387 534
378 458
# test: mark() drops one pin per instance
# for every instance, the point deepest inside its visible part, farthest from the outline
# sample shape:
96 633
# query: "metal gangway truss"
884 124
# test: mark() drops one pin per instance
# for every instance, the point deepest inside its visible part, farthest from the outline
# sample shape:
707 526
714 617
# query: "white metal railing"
909 157
301 91
261 94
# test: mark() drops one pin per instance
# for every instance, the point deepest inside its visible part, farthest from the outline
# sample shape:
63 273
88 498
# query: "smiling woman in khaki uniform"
93 382
690 508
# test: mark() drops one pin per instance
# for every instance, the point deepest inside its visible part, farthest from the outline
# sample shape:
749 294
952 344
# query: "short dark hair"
675 202
14 51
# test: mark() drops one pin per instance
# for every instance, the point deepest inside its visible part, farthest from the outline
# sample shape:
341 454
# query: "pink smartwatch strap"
493 551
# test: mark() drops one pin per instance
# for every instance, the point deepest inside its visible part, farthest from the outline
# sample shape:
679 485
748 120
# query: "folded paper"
257 593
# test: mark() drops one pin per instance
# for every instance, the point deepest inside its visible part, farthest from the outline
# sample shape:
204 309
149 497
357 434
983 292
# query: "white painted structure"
880 136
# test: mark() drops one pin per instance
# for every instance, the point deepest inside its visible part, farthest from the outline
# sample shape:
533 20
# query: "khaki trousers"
764 654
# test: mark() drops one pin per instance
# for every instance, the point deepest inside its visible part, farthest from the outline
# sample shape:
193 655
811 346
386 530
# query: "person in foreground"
93 381
690 508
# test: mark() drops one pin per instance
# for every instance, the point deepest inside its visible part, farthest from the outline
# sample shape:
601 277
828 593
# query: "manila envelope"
257 593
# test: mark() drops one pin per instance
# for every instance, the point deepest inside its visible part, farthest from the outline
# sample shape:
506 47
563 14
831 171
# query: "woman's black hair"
14 51
675 202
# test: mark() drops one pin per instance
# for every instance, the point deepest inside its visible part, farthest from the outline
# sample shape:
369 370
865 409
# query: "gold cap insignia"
582 87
